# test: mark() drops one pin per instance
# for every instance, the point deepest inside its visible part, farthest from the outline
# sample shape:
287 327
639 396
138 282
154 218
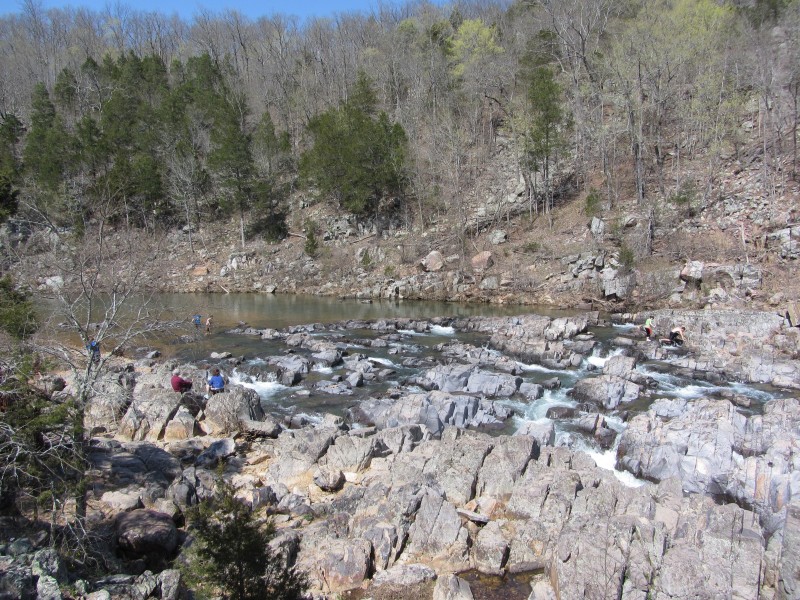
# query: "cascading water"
406 354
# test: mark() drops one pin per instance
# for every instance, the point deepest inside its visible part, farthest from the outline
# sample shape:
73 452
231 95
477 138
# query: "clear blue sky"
253 9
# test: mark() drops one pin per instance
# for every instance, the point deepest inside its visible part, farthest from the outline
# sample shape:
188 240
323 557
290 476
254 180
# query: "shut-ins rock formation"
414 481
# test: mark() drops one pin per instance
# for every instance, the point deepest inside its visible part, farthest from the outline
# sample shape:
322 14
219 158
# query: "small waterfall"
264 389
442 330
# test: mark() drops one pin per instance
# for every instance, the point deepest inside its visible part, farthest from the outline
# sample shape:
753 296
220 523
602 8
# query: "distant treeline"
144 119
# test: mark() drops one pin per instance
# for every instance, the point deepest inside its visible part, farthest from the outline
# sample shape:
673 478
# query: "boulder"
329 479
350 453
492 384
297 451
607 391
336 565
225 412
490 550
437 534
504 464
482 261
217 451
107 405
148 414
181 426
404 576
451 587
692 272
433 262
146 534
497 237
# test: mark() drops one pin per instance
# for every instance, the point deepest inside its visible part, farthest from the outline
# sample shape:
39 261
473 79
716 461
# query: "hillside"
566 258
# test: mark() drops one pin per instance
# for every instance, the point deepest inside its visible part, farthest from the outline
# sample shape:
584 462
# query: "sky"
186 9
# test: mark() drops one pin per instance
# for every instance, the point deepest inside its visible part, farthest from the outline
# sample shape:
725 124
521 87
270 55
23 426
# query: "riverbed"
405 354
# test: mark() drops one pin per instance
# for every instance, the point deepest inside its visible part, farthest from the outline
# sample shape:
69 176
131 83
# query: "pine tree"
11 131
47 146
230 554
356 158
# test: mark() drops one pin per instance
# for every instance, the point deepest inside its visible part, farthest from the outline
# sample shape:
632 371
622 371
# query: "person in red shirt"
179 384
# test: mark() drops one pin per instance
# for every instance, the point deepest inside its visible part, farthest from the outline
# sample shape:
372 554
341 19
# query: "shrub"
684 199
594 203
366 261
312 245
531 247
17 316
231 555
627 258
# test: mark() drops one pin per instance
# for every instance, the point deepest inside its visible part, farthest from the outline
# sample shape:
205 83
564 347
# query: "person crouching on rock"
216 383
179 384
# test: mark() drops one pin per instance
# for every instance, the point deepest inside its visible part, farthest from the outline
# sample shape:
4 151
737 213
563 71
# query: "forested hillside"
418 119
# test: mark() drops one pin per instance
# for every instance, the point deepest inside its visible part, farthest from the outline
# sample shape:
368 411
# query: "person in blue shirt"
94 350
216 383
196 320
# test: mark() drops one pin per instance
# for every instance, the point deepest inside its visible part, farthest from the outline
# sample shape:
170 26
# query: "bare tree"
98 290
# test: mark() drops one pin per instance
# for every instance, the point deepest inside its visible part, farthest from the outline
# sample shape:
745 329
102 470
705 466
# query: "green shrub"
594 203
231 555
684 198
312 245
17 316
627 258
366 261
531 248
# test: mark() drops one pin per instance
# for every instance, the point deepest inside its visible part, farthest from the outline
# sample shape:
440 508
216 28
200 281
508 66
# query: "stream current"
407 347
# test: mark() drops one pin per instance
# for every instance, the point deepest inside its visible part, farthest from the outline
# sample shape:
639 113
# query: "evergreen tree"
356 158
545 115
47 148
11 130
17 315
231 555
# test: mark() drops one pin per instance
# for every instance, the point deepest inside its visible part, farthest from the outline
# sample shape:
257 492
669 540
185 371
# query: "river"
405 355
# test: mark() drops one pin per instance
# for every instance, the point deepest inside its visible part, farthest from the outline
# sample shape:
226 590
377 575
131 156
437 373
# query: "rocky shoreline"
422 480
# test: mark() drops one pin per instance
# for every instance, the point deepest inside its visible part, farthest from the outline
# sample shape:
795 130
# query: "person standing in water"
648 327
209 322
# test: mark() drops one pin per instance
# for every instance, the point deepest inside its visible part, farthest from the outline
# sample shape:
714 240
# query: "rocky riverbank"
431 473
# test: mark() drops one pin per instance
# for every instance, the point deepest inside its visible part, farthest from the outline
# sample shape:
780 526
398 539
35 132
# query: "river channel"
403 354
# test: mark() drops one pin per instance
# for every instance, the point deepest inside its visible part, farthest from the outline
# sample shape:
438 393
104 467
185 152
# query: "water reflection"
283 310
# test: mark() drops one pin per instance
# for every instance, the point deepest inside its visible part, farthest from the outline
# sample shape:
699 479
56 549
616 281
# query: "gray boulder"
349 453
490 550
106 406
492 384
225 412
504 464
297 451
437 534
607 391
335 565
217 451
404 576
148 414
451 587
181 426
